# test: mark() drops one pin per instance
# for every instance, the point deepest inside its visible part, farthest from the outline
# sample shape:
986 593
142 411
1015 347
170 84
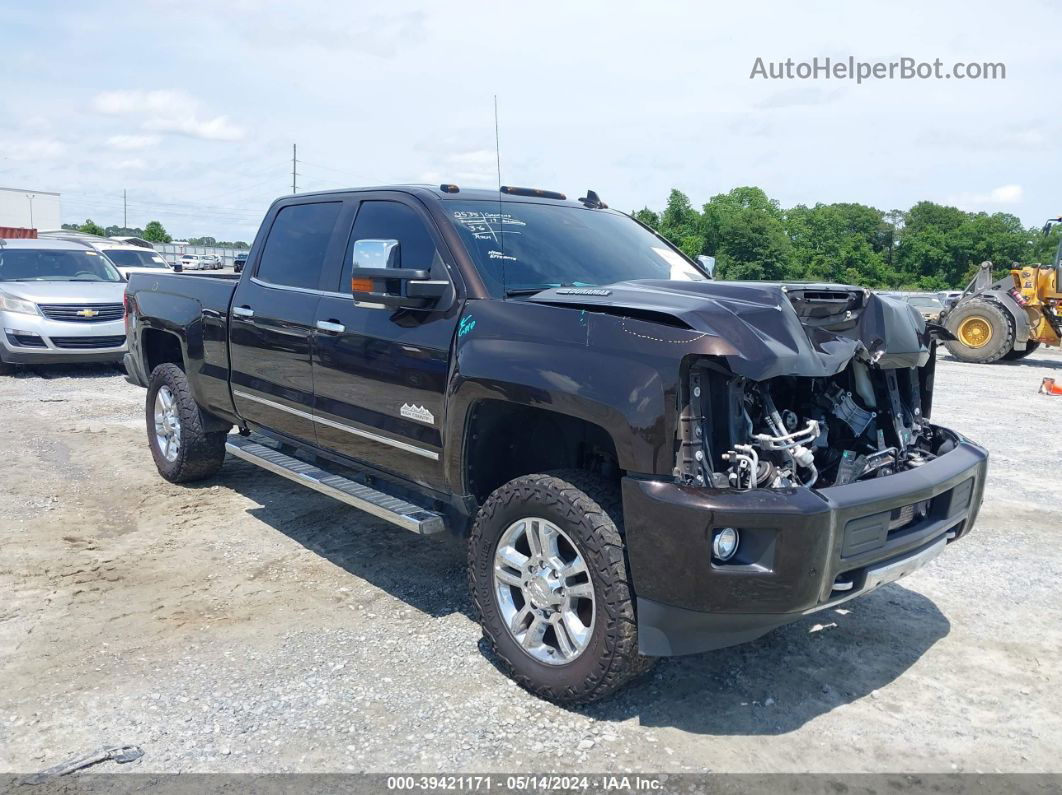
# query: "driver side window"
389 220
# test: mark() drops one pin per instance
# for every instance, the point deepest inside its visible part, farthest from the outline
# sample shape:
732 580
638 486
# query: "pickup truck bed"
190 312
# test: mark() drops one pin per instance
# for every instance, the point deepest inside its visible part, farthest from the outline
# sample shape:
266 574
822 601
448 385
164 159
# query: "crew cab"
644 462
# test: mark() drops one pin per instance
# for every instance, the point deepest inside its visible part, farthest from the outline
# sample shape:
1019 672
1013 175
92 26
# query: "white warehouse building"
30 209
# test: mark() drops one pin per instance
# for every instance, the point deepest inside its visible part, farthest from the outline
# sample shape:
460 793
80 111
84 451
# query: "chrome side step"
383 506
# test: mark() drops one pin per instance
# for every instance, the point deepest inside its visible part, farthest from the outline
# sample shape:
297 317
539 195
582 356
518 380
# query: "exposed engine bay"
791 431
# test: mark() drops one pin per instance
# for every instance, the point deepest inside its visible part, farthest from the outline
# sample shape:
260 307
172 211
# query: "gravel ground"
250 625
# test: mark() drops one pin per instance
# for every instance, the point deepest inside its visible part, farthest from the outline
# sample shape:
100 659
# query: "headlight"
8 303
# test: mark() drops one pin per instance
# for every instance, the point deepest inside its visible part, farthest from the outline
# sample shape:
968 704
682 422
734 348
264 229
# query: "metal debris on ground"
117 753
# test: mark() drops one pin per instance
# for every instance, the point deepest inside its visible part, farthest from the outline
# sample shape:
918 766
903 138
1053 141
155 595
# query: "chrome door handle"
243 311
328 325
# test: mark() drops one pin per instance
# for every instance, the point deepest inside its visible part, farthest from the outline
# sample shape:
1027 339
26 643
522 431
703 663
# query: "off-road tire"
588 508
1014 354
999 344
201 452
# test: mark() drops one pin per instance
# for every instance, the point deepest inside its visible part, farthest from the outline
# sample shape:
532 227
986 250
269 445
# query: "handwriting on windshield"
487 225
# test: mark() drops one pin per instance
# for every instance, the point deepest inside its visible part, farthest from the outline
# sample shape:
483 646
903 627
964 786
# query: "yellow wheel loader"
1010 318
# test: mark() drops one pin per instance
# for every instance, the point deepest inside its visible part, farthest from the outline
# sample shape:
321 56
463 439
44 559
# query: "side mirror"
378 278
708 263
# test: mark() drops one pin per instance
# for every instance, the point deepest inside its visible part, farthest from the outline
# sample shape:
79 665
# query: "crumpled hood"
63 292
776 329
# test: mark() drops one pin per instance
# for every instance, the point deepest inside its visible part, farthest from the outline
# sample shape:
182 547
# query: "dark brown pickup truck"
644 461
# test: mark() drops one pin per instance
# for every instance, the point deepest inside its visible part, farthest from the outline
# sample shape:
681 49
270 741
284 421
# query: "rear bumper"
800 551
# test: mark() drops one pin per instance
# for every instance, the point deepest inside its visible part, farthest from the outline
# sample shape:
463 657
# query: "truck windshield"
42 265
520 247
127 258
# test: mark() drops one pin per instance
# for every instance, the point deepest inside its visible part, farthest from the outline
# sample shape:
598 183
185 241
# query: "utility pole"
31 197
293 162
125 217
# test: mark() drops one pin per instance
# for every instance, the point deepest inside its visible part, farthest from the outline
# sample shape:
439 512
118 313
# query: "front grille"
899 518
70 312
89 342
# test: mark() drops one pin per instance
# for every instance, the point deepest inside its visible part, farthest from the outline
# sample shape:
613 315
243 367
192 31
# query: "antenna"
501 230
497 140
293 162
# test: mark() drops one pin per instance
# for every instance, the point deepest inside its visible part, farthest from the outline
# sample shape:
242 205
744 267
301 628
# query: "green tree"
90 227
647 217
743 230
840 242
754 246
723 207
155 232
681 224
1045 247
930 247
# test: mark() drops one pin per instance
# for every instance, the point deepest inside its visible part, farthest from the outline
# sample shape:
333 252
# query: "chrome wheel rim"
544 592
167 424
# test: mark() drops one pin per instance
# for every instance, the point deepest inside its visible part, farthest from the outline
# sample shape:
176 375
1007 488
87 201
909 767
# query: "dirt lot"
249 625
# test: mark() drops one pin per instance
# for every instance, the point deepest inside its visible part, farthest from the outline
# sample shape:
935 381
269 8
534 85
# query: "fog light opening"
725 543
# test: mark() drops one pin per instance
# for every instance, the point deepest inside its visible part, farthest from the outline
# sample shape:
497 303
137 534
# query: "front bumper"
801 550
32 339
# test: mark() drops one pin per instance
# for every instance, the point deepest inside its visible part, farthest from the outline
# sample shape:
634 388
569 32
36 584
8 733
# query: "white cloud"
1004 194
125 142
218 128
801 96
30 149
166 111
473 167
129 164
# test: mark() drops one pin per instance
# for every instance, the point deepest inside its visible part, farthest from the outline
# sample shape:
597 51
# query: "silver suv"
59 302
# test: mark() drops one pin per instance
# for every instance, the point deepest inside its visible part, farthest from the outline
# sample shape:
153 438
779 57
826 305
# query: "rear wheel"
1014 355
182 450
549 579
984 331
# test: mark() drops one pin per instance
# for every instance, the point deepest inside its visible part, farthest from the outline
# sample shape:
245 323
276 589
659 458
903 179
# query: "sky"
192 107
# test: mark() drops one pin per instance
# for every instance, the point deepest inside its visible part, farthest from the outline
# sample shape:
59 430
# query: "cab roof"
440 193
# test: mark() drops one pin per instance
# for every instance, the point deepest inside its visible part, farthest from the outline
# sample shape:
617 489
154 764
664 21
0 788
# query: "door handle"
328 325
243 311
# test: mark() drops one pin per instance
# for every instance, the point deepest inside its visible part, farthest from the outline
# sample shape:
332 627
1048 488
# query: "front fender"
540 356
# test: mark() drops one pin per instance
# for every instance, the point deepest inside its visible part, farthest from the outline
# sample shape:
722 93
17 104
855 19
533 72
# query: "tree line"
153 232
928 247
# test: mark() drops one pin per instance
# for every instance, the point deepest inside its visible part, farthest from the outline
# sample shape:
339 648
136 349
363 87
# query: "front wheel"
182 450
549 580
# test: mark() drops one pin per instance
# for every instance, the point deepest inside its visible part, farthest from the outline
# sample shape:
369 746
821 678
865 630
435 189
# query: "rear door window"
294 253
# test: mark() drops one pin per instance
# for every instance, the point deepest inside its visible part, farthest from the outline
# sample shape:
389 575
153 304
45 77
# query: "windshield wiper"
515 291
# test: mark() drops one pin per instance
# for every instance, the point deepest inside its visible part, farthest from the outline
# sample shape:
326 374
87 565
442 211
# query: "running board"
383 506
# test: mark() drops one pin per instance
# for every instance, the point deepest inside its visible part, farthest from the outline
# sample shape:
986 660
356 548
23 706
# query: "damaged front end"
868 420
864 422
